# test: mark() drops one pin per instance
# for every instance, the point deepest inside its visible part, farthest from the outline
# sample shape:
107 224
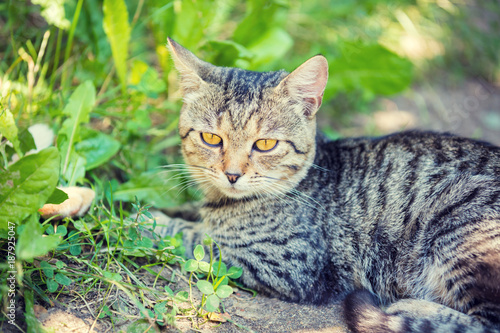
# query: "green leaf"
372 68
29 316
47 269
53 13
60 264
117 29
160 307
219 272
145 242
52 285
199 252
234 272
75 249
61 230
8 128
76 169
112 276
26 140
141 326
78 108
224 291
145 79
149 187
204 266
169 291
212 303
97 148
32 243
191 265
63 279
205 287
226 52
271 46
182 296
57 197
27 185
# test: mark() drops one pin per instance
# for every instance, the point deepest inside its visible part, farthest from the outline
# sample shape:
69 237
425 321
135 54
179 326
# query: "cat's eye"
211 139
265 144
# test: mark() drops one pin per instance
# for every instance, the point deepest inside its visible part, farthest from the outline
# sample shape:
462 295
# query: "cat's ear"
308 83
189 66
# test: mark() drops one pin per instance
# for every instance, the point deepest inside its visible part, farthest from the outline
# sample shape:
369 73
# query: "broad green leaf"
205 287
234 272
75 171
145 242
212 303
224 291
57 197
271 46
26 140
117 29
199 252
191 265
60 264
97 148
52 285
48 270
63 279
151 187
78 108
372 68
32 243
53 12
27 185
262 16
8 128
226 53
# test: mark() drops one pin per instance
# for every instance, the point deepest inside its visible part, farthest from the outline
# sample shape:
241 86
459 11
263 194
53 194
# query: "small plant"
215 287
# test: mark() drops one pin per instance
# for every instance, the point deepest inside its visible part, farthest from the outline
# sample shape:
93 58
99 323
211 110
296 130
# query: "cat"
409 222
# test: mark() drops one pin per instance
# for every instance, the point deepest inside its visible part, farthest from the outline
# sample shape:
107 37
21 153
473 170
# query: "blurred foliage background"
98 74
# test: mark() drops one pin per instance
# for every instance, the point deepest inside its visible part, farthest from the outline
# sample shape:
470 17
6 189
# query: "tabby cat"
409 222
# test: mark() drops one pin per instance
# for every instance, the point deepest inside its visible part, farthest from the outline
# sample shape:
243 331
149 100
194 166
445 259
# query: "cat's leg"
190 211
363 315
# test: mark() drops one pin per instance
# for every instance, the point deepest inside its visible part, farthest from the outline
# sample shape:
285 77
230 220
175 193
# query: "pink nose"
232 177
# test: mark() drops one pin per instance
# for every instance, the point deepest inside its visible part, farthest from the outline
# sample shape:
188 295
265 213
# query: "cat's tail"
363 315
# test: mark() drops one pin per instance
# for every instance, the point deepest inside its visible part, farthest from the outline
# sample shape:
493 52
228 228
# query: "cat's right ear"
189 66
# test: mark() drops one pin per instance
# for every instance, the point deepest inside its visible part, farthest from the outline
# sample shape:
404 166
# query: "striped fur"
410 221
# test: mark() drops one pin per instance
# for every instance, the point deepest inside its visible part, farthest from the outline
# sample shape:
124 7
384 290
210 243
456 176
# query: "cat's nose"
232 177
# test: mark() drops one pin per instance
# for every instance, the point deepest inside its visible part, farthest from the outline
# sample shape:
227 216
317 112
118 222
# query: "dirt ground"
472 109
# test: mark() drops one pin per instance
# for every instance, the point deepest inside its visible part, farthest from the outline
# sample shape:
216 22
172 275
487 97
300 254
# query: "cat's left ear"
308 83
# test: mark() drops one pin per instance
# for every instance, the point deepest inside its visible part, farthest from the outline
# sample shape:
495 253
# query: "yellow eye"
265 144
211 139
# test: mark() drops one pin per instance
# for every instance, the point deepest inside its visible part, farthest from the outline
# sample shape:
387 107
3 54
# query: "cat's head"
246 133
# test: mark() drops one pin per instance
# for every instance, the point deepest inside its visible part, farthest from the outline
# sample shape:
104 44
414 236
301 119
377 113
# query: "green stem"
56 60
72 29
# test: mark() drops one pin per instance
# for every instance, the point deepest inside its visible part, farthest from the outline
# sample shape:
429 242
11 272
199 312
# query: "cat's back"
411 150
